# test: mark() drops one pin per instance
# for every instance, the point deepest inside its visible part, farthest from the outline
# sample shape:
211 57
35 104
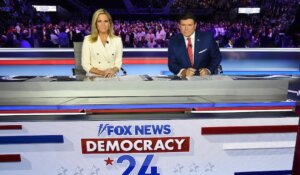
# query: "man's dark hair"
187 15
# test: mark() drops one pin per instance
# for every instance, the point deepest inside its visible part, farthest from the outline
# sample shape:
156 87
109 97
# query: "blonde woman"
102 51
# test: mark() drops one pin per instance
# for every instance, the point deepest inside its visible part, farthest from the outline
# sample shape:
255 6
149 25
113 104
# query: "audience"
29 28
149 3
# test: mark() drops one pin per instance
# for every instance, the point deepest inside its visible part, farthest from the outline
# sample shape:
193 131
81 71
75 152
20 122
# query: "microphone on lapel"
107 42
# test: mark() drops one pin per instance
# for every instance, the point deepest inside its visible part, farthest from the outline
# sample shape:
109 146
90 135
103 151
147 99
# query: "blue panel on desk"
234 62
154 69
261 104
37 70
66 70
28 107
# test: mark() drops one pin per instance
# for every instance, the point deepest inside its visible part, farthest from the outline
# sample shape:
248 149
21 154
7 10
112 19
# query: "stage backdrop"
149 147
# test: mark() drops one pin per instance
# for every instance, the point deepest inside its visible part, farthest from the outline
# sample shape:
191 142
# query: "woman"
102 51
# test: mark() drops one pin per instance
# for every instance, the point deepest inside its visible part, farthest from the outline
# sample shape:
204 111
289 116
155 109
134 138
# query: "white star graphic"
194 168
178 168
78 171
209 167
95 170
62 171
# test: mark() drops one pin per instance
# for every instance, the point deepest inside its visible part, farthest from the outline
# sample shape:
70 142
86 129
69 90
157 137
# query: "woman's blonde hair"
94 32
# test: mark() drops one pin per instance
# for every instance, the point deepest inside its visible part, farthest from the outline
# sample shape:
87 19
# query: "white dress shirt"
193 47
192 40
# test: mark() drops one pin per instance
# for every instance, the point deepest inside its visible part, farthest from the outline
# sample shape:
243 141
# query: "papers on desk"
41 79
161 78
26 78
117 78
131 78
11 79
96 78
257 77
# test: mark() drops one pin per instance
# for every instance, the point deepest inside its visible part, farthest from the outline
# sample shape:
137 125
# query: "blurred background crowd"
150 23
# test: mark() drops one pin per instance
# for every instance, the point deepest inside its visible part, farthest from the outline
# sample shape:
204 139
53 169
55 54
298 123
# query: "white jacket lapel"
101 49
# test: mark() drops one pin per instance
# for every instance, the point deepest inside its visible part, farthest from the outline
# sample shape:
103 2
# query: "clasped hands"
107 73
111 72
191 72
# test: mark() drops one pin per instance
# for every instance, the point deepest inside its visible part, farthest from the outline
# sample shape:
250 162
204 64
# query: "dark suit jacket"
206 53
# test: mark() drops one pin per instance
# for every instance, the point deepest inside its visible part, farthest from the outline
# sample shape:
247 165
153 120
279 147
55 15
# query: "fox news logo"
133 129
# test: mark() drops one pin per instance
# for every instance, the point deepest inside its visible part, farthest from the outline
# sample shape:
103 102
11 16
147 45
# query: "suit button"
108 61
99 62
97 53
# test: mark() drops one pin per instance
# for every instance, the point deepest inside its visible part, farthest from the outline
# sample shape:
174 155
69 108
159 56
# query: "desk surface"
140 90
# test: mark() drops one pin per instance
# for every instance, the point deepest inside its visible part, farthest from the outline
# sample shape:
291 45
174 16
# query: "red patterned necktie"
190 50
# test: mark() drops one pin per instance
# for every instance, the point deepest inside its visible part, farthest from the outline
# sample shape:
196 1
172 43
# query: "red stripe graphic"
298 110
139 111
296 164
10 158
71 61
10 127
38 62
146 61
249 129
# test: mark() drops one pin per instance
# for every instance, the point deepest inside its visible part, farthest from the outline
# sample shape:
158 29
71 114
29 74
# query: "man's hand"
188 72
204 72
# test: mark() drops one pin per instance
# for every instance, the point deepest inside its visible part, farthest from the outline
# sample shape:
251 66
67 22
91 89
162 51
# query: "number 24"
144 167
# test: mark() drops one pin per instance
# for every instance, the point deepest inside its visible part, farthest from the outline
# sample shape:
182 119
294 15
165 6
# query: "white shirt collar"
192 40
192 37
108 38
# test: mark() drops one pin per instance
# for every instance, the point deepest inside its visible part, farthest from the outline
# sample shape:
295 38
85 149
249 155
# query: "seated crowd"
270 29
143 34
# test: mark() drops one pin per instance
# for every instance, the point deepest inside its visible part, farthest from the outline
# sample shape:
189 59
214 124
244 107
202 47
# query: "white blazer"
101 57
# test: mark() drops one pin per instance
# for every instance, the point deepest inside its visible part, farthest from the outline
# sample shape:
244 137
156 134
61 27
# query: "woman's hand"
111 72
97 71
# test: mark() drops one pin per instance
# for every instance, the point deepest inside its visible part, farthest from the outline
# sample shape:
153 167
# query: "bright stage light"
45 8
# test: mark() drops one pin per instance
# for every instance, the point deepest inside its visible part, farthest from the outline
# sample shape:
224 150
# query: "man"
192 52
